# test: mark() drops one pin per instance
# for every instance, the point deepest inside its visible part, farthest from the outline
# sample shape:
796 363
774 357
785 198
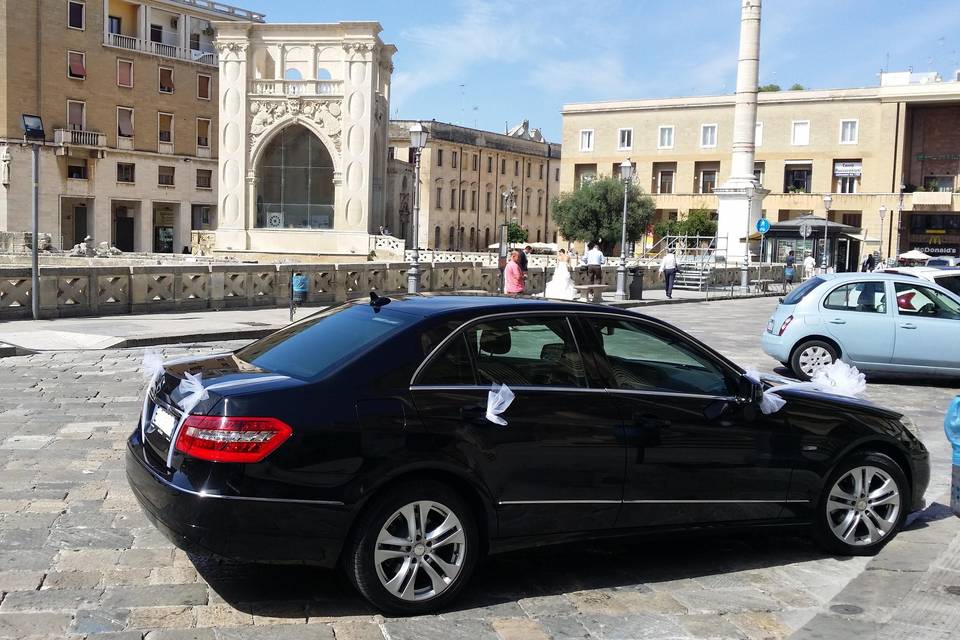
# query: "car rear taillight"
786 323
231 439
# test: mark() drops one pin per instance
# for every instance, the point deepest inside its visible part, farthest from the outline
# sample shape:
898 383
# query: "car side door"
557 465
857 314
696 452
927 328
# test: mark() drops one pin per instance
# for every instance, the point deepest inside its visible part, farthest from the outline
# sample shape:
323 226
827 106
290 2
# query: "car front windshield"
802 290
315 345
950 283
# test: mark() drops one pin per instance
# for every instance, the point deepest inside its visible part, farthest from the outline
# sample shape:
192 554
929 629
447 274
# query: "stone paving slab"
79 560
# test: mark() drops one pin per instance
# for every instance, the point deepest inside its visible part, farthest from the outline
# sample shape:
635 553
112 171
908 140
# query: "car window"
641 359
802 289
451 366
866 297
923 302
318 343
950 283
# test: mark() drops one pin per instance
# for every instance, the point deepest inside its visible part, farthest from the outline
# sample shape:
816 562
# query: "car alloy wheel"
420 551
863 506
814 358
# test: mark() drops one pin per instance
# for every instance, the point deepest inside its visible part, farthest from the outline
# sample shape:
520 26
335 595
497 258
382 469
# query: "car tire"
403 571
848 521
812 352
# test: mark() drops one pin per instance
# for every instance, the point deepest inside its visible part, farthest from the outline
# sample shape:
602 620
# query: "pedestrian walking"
790 270
594 259
869 263
513 276
809 265
668 268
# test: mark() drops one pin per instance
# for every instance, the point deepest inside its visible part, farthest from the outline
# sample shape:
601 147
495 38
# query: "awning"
77 69
125 123
786 162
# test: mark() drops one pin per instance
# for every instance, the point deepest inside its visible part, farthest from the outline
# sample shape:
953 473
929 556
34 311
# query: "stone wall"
104 290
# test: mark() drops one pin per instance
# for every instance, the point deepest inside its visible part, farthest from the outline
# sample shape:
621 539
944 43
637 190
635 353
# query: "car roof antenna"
377 301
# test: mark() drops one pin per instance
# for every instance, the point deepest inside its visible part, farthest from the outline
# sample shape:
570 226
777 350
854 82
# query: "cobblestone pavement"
78 559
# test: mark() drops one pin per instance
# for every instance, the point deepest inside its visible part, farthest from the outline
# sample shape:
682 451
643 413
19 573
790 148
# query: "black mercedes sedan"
364 436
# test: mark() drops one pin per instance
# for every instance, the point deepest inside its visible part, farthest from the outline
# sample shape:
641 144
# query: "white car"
946 277
943 261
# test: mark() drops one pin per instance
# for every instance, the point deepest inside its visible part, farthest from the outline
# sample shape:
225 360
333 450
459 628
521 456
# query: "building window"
124 73
201 216
453 160
490 165
203 133
76 65
487 207
503 166
453 198
436 237
195 41
539 205
758 135
938 183
113 25
165 127
853 219
156 33
516 168
708 136
797 178
165 176
800 133
758 170
476 162
624 139
77 169
665 182
439 157
526 208
76 115
665 137
203 86
439 202
586 140
708 181
450 239
473 200
76 15
204 178
556 174
463 198
166 80
529 167
849 131
124 122
126 172
846 175
541 171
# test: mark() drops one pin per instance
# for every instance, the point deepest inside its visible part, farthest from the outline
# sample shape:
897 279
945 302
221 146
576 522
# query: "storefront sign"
941 156
937 249
847 169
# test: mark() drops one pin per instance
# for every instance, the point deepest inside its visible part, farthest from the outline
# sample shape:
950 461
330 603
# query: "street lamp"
883 214
418 140
827 199
509 206
626 173
33 131
745 266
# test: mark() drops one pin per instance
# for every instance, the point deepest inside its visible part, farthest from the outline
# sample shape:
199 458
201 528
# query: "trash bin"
951 425
636 283
300 288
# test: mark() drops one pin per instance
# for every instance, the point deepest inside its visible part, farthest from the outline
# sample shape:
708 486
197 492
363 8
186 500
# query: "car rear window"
802 290
313 346
950 283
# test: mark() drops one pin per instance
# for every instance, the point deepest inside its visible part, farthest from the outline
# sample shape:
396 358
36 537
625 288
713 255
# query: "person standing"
790 270
561 285
809 265
668 268
594 259
513 276
869 263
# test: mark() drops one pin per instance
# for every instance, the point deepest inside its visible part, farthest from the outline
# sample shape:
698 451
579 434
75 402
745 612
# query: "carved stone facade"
280 83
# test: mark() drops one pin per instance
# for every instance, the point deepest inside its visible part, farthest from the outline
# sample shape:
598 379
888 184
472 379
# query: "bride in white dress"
561 286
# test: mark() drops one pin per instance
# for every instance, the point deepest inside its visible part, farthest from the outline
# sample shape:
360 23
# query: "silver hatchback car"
878 322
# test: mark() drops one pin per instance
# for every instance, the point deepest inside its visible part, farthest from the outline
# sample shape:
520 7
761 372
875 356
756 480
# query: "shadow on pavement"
622 564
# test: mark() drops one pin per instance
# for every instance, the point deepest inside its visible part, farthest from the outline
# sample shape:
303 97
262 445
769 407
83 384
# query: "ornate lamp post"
745 266
418 140
825 261
883 214
626 173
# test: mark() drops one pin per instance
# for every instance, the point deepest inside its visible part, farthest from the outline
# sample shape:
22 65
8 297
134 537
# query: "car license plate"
164 421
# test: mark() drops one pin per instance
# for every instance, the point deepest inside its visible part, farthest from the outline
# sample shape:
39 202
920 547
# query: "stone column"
738 208
234 208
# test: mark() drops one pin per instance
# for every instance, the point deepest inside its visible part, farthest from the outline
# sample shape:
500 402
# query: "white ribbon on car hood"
837 379
193 393
498 400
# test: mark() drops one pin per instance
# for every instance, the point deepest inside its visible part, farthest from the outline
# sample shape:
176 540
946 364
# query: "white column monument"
741 196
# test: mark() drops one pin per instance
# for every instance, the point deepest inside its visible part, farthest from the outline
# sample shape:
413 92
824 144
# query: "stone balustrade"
67 291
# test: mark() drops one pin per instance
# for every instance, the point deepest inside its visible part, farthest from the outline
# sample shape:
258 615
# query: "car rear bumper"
235 527
775 346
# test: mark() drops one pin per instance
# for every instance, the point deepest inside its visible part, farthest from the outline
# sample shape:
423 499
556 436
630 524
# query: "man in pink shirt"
513 276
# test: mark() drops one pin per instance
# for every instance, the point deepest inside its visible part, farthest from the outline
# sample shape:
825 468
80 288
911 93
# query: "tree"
594 212
769 87
516 233
698 223
796 86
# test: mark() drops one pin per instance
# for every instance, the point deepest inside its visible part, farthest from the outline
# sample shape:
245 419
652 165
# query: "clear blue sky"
485 62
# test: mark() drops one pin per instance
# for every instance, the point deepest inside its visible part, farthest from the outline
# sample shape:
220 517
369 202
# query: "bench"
594 292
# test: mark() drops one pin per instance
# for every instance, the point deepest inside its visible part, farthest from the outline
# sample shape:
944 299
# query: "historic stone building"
127 90
466 178
304 114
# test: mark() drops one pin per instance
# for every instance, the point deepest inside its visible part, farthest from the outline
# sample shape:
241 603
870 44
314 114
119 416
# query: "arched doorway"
295 182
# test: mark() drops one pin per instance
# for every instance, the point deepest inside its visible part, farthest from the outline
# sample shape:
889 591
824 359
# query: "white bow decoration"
152 370
837 378
193 392
498 400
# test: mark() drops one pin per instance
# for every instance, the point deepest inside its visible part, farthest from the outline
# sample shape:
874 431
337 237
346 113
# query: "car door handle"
838 321
908 325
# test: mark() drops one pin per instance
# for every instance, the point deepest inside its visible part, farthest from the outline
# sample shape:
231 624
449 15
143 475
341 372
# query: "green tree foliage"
516 233
796 86
769 87
696 223
595 212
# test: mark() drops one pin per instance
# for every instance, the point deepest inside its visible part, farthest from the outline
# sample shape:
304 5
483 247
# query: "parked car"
946 277
359 437
943 261
847 316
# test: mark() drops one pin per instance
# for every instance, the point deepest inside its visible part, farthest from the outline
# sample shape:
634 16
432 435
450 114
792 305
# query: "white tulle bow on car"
152 369
837 379
498 400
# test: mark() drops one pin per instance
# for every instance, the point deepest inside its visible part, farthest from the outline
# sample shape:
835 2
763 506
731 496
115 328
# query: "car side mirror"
750 390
